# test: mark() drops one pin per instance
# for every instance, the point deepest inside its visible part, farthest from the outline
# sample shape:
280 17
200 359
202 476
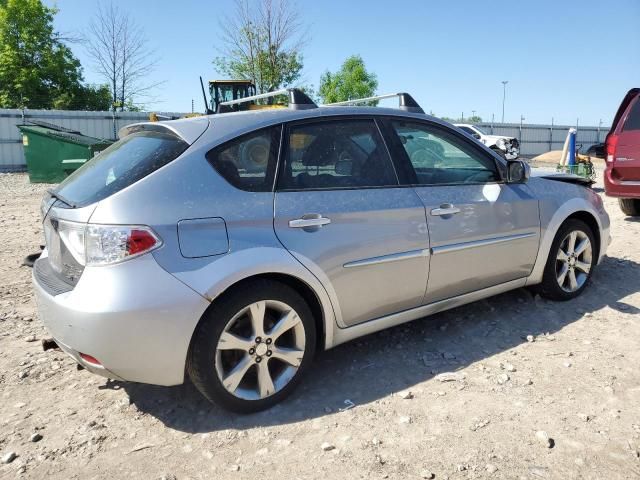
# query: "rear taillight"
106 244
612 143
92 245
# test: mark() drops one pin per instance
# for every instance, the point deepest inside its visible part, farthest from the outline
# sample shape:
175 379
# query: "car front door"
340 211
483 232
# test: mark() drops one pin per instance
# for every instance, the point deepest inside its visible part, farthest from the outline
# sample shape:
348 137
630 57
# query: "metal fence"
94 124
536 139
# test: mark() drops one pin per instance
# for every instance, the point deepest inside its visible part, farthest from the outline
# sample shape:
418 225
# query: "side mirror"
517 171
476 136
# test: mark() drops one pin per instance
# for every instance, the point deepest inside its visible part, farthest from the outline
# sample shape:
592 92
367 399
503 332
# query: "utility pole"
504 96
599 127
521 120
113 117
473 113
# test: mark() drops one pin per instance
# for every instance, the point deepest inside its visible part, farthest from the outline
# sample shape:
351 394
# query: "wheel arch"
229 272
591 222
300 286
577 208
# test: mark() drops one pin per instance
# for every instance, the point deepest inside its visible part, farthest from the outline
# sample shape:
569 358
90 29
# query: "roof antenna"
207 110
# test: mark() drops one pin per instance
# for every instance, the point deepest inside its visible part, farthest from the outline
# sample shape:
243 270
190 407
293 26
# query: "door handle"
445 209
309 220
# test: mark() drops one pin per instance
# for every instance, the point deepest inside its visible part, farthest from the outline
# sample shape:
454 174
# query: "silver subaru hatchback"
232 247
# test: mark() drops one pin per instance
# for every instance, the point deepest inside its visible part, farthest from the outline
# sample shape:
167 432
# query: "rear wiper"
55 194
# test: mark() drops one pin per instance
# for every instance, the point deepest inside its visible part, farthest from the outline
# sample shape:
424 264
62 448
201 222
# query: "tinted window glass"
122 164
633 120
248 162
337 154
440 157
468 130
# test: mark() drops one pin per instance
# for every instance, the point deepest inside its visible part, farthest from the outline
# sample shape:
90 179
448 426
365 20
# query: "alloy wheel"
573 261
260 350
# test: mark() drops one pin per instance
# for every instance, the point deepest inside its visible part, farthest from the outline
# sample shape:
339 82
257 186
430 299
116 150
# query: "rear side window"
122 164
336 154
633 119
248 162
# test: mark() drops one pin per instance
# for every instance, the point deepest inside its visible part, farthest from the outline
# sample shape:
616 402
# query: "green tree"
352 81
89 97
262 42
37 70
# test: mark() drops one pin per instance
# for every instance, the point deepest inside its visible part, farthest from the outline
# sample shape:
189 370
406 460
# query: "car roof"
218 128
228 125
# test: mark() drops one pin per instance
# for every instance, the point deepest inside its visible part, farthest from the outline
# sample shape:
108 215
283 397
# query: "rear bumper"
134 318
614 187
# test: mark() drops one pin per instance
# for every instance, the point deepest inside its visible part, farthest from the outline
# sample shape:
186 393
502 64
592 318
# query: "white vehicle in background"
506 147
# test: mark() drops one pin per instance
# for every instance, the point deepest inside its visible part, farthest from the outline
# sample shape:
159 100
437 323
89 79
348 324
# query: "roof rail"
407 102
298 100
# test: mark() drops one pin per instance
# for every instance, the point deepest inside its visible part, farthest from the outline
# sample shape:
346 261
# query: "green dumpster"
53 152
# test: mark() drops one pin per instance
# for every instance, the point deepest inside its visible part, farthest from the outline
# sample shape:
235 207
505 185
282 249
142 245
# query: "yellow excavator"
224 91
227 90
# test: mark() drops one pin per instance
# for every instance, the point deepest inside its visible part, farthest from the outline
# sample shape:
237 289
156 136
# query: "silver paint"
368 268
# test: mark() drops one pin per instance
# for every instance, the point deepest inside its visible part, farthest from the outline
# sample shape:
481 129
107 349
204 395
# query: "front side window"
468 130
439 157
248 162
336 154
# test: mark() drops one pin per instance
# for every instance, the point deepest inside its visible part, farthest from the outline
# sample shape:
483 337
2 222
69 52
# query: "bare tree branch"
120 52
261 41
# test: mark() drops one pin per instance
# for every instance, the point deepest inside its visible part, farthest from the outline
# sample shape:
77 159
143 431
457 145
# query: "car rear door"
626 164
340 211
482 231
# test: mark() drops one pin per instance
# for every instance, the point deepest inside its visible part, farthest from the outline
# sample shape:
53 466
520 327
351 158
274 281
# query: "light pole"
504 96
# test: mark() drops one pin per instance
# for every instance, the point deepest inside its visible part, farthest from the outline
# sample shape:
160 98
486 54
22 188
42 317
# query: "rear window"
122 164
633 119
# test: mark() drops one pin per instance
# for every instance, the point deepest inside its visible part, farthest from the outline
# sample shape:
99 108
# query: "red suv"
622 173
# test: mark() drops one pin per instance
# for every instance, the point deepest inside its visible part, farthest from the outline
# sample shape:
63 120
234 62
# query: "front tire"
571 261
252 346
630 206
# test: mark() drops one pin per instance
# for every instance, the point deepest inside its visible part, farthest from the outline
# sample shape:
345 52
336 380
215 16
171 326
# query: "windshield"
480 130
122 164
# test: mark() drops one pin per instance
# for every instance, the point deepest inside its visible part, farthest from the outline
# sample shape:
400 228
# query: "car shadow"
373 367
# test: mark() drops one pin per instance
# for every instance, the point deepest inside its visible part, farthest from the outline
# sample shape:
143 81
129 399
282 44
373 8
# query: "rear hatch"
67 209
623 141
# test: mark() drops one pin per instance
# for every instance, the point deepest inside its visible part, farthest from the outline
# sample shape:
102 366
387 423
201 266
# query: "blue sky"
563 59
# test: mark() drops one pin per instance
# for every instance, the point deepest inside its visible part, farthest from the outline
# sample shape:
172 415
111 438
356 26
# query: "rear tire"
252 346
572 259
630 206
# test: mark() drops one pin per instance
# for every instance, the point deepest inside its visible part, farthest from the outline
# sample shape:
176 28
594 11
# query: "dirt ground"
374 408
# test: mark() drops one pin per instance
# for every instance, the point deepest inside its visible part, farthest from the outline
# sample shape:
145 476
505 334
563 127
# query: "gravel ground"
510 387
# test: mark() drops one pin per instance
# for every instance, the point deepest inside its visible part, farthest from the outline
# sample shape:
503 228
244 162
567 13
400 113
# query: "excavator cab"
226 90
